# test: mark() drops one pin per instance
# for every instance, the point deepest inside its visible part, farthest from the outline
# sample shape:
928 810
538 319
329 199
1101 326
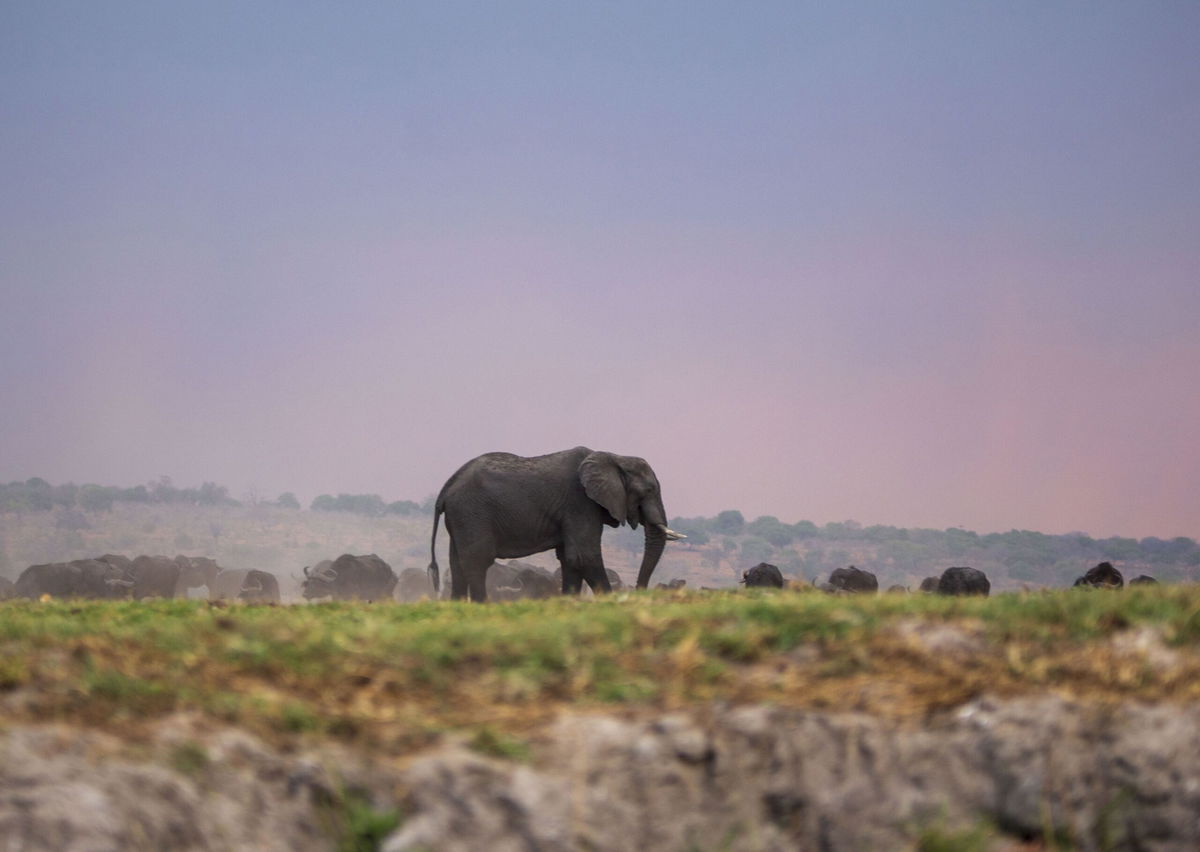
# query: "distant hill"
40 522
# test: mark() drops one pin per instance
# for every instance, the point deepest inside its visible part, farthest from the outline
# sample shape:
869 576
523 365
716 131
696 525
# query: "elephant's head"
628 490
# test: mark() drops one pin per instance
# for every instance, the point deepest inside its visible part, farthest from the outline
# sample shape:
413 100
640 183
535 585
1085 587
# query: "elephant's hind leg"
458 576
474 559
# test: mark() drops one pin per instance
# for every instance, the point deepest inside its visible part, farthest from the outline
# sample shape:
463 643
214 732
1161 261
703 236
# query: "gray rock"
759 778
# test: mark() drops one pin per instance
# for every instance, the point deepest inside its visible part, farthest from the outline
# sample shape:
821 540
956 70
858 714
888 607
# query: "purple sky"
914 264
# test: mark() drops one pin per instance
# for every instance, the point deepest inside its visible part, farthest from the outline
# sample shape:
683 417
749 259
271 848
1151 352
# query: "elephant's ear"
602 481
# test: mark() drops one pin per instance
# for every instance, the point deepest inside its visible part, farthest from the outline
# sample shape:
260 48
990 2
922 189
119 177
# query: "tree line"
38 495
800 548
806 549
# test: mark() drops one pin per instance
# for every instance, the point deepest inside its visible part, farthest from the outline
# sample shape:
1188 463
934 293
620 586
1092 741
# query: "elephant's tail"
434 572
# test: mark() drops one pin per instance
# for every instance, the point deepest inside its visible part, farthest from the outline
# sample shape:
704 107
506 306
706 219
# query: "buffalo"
764 575
963 581
519 580
414 585
163 577
82 578
1143 580
1102 576
350 578
245 584
929 585
851 581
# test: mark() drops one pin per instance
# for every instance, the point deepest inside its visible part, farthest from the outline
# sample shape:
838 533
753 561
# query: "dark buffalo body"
1102 576
245 584
155 577
852 580
520 581
763 575
82 578
414 585
960 580
349 577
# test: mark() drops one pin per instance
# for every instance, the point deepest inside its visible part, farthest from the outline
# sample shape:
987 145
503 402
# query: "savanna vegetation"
388 679
399 675
40 522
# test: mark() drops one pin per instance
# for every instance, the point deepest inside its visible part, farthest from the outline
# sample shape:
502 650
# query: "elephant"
614 579
963 581
764 575
504 506
1102 576
1143 580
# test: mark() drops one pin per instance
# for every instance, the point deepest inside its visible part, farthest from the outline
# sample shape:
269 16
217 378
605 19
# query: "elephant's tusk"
670 533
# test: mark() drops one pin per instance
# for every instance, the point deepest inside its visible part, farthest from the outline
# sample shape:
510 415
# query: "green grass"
395 673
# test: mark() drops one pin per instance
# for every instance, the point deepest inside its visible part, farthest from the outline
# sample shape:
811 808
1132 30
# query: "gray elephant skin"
503 506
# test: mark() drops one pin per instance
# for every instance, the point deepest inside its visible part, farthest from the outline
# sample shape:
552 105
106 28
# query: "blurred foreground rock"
184 788
751 778
769 779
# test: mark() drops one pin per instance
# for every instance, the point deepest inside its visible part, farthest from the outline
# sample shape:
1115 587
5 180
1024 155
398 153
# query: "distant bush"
773 530
729 522
371 505
287 500
37 495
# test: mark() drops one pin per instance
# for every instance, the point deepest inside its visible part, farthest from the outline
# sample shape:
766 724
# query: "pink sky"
936 270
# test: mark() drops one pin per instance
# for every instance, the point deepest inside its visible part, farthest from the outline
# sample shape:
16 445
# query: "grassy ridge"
395 675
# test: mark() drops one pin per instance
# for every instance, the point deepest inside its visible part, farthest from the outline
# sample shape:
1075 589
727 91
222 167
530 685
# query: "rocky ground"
1027 773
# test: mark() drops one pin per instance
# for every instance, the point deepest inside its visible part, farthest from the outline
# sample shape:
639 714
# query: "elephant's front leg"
596 576
585 563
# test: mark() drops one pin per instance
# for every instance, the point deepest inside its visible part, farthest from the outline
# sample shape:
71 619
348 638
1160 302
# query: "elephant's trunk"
656 541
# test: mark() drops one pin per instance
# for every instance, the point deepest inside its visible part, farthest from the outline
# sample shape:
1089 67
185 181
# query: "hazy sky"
922 264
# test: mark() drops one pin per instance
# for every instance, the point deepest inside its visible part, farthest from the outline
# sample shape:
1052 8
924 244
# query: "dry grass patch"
396 676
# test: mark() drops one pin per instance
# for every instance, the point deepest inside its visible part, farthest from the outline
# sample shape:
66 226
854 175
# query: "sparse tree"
287 500
729 522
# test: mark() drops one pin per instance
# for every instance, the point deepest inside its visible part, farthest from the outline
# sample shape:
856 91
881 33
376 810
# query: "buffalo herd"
369 578
956 580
